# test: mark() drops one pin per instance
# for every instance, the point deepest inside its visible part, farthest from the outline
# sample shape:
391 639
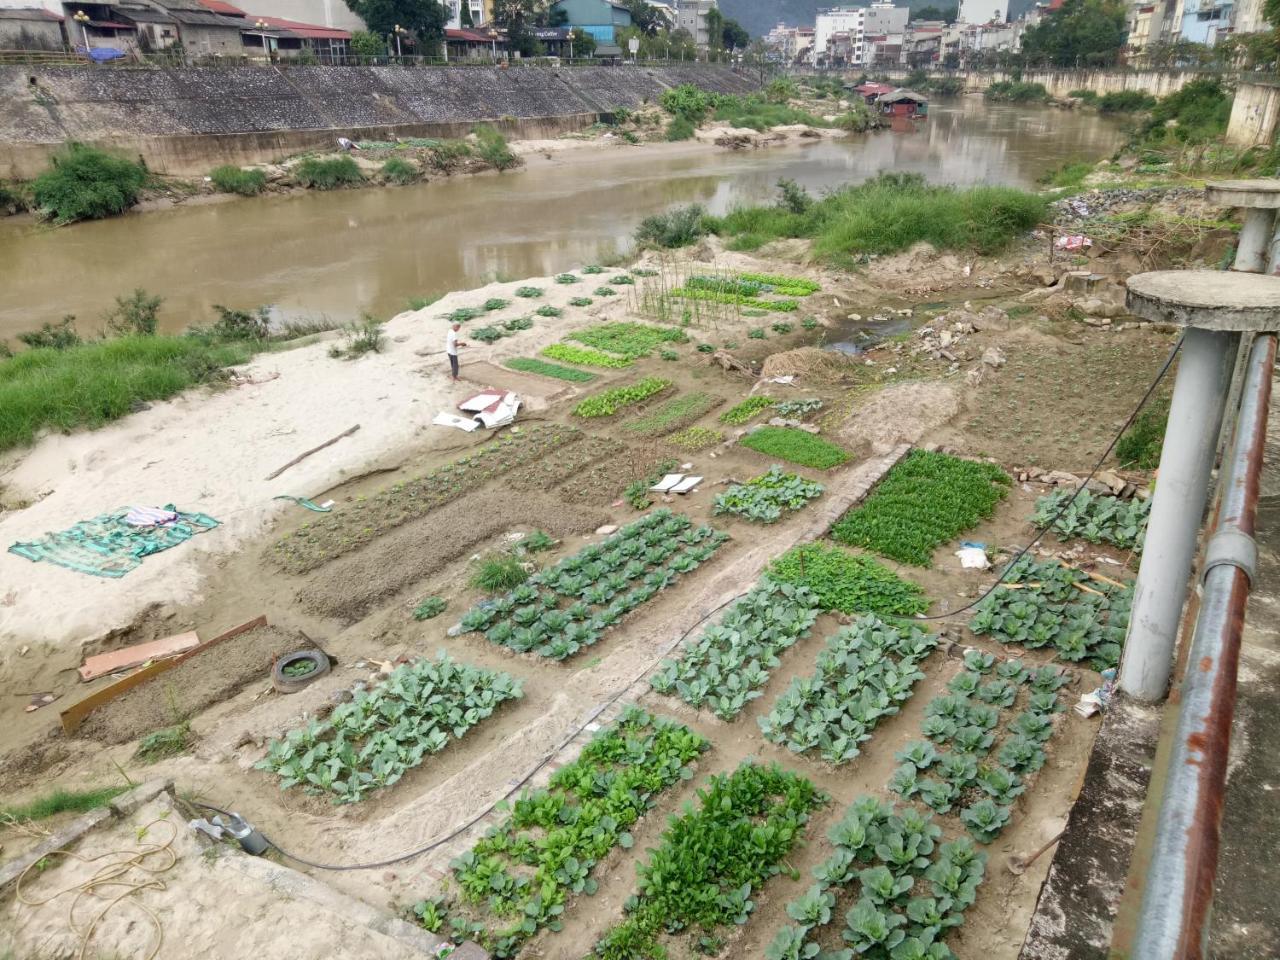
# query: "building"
885 18
879 19
983 11
599 18
30 28
478 11
883 50
903 103
691 16
790 44
922 43
1204 20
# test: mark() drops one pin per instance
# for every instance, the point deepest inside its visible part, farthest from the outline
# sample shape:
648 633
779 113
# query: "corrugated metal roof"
221 6
308 31
28 13
470 36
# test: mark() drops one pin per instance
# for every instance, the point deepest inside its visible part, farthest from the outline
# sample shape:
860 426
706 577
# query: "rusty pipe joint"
1232 547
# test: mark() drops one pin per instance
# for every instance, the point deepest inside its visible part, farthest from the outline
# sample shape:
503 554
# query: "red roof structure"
470 36
222 7
307 31
874 89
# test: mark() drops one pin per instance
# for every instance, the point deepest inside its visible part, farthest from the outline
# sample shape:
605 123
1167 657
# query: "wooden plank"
75 715
138 654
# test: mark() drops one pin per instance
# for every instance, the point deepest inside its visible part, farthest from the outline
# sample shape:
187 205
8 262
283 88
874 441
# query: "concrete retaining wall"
188 120
1059 83
1254 115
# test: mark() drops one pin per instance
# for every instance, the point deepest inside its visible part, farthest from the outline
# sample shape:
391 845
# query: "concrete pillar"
1259 247
1216 307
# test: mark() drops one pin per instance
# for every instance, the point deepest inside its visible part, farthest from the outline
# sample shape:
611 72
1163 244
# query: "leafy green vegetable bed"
864 674
545 369
674 414
371 741
602 582
927 499
351 526
732 659
1098 519
847 582
744 411
1082 618
517 880
795 446
626 339
583 355
711 860
718 296
763 498
608 402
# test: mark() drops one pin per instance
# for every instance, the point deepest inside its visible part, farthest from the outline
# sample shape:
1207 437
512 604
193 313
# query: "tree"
367 46
584 44
945 14
646 18
424 19
465 18
715 29
733 36
1079 33
519 17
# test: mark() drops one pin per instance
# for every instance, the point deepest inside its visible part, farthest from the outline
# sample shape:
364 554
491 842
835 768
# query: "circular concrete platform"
1264 194
1207 299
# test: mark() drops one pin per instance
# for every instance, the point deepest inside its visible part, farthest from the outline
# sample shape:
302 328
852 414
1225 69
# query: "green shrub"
87 184
1198 113
136 314
1126 101
546 310
1069 175
680 129
399 170
498 572
1016 91
447 155
926 500
359 338
529 293
675 228
238 324
847 582
53 336
327 173
1142 443
492 148
756 113
232 179
13 198
795 446
1088 96
687 101
542 368
581 302
429 608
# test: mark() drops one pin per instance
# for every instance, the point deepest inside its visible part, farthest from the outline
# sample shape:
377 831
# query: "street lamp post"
82 18
399 31
261 26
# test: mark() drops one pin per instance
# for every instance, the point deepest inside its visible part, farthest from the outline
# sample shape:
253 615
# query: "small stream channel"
344 253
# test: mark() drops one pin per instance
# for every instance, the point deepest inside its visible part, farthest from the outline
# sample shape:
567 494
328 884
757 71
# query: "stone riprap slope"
55 104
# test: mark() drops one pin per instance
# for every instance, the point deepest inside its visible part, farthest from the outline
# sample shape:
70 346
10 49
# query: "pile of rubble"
1105 482
1096 203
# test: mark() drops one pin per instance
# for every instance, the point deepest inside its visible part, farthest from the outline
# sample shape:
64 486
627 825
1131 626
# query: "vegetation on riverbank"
889 214
85 183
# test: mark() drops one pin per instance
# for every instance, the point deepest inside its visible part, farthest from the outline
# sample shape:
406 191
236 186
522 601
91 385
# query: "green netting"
106 546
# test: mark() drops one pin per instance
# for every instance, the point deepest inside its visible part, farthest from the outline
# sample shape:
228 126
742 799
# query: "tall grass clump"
680 128
757 113
399 170
1016 91
137 314
1088 96
90 384
493 149
1126 101
891 213
1069 175
327 173
232 179
87 184
675 228
59 800
53 336
498 572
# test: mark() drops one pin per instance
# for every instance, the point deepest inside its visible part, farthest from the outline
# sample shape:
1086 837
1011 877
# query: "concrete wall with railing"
185 121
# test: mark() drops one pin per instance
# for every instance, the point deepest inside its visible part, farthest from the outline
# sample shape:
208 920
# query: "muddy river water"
343 253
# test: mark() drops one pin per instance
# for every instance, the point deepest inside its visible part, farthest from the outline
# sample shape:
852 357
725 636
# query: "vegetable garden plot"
519 878
952 769
1098 519
925 500
865 673
910 889
742 412
629 340
568 353
561 610
551 471
546 369
608 402
353 525
847 582
764 498
371 741
673 414
732 659
1051 604
795 446
711 861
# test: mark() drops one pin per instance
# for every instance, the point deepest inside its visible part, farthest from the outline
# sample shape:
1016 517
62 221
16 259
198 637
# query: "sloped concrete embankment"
184 121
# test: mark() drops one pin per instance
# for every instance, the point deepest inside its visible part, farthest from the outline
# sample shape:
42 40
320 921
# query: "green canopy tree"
1079 33
424 19
733 36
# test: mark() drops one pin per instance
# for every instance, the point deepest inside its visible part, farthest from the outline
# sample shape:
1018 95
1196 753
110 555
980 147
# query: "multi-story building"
789 44
691 16
879 19
1203 20
983 11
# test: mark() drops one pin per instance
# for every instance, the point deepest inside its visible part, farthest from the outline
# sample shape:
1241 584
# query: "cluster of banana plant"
371 741
567 607
517 879
763 499
702 875
865 673
951 768
733 658
911 888
1097 518
1051 604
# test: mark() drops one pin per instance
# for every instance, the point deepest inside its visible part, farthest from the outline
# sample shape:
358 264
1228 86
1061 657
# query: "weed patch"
231 179
58 801
795 446
165 742
1142 444
327 173
926 500
675 228
847 582
497 572
399 170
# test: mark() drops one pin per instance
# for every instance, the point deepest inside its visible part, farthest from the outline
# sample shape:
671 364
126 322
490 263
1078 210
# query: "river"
344 253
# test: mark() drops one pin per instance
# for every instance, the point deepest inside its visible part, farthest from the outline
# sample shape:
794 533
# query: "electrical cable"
601 708
1062 510
519 784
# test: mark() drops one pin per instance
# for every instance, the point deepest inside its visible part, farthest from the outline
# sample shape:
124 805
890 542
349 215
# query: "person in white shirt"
451 345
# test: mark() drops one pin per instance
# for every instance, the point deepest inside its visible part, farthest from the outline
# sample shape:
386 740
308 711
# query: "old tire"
292 684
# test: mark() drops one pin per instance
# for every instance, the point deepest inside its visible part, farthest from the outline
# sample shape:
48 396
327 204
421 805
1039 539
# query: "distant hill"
761 16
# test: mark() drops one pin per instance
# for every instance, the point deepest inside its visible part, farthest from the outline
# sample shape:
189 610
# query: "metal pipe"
1173 923
1195 417
1252 251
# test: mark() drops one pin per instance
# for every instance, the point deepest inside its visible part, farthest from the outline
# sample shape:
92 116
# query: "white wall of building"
983 11
837 21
